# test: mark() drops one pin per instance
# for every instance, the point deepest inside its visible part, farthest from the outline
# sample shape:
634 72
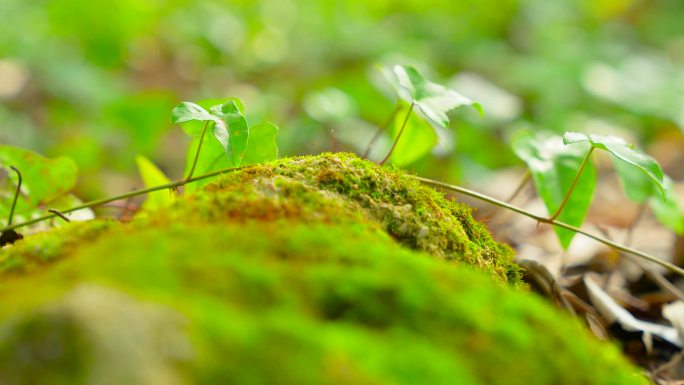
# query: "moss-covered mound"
275 304
287 273
342 188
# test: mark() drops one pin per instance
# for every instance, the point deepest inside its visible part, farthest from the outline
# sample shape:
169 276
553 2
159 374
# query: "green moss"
44 248
342 188
265 303
293 272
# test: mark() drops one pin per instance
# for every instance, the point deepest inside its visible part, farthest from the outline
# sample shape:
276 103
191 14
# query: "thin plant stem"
572 186
401 130
521 185
655 276
199 148
127 195
380 130
430 182
538 218
16 196
637 218
59 214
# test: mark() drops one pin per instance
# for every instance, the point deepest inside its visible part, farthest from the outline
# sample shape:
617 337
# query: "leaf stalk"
572 186
401 131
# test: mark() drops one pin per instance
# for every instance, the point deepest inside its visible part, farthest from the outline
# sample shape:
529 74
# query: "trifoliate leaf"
186 112
554 167
618 148
228 124
432 100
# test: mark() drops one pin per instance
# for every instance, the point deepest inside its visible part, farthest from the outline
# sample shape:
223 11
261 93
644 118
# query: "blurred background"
96 80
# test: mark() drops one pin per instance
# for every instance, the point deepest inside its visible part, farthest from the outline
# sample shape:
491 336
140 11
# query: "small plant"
565 176
431 102
561 167
235 144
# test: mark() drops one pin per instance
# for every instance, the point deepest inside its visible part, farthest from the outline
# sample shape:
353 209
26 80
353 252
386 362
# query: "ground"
312 270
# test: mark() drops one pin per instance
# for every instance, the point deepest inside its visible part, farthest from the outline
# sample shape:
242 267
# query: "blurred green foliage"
97 80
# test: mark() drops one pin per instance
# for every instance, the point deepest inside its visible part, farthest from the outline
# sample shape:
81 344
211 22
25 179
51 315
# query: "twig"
101 202
653 275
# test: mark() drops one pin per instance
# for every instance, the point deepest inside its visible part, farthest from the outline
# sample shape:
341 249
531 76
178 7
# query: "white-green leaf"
187 112
623 151
432 100
554 166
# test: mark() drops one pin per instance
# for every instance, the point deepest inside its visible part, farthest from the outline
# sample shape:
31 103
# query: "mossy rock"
342 188
206 293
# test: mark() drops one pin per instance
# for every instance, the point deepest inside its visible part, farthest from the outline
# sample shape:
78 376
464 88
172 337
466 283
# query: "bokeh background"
96 80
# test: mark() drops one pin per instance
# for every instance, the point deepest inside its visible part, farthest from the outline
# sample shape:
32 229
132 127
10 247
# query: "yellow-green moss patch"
342 188
43 248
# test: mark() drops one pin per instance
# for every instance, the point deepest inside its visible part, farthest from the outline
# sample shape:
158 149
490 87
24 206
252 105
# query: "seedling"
563 172
432 102
236 142
565 176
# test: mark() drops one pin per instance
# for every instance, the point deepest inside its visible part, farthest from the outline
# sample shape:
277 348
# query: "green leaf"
667 210
44 181
238 130
152 176
229 125
417 140
624 152
431 99
262 146
641 189
554 167
186 112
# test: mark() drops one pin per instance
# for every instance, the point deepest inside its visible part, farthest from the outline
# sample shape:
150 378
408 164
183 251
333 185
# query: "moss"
293 272
265 303
29 255
342 188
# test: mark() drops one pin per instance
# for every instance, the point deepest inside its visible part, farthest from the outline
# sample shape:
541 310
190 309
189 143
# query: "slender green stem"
572 186
101 202
508 206
380 130
401 130
59 214
199 148
521 185
16 196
